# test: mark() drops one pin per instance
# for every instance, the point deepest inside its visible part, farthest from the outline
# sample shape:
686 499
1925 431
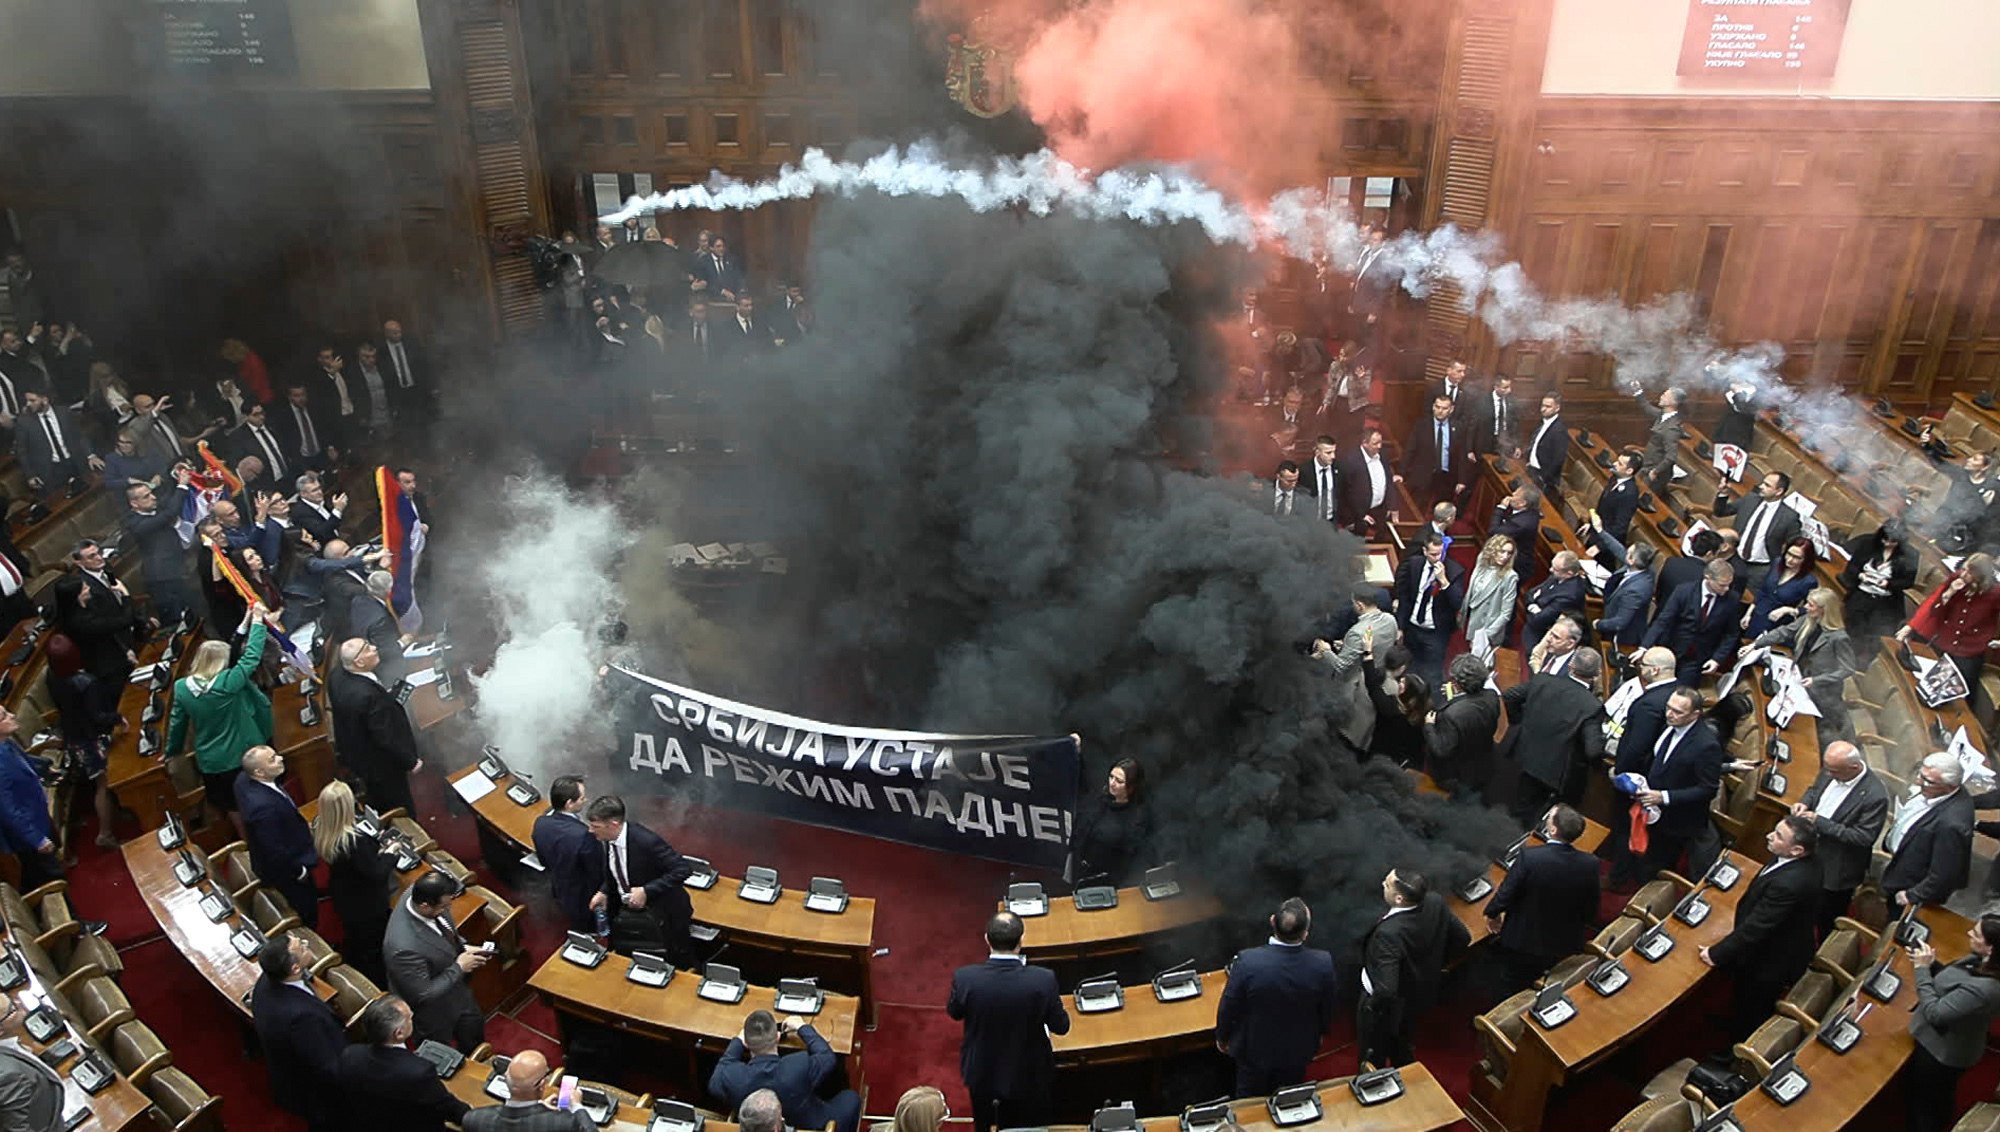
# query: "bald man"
526 1110
1848 806
371 732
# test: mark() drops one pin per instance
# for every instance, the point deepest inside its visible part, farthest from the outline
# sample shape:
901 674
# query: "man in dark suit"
1555 734
372 735
1929 841
1519 517
1663 438
1617 503
524 1110
1458 736
1637 735
1627 597
1681 781
1452 388
751 1062
50 444
1495 419
1682 569
314 513
1702 623
1283 495
1547 906
1548 447
151 527
413 377
281 844
1562 592
1772 940
300 1036
1847 807
643 892
1403 960
302 436
1009 1010
1764 527
1428 591
1368 488
370 618
339 586
1320 479
569 853
720 270
1438 459
254 437
386 1088
429 962
1277 1005
743 332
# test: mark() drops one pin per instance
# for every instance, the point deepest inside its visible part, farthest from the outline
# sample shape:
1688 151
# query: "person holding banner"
1824 655
1961 617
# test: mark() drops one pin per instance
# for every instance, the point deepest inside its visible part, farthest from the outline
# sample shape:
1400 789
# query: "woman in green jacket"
228 712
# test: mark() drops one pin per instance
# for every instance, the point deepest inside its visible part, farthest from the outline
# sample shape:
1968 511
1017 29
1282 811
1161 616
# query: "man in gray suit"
1848 807
1373 630
152 525
31 1095
525 1110
1663 439
429 961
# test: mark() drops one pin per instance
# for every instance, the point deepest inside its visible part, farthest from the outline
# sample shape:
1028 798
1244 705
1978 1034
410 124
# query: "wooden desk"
1766 808
201 941
1144 1027
1844 1084
427 710
1473 913
116 1107
784 928
674 1014
1068 935
139 782
1546 1059
1423 1107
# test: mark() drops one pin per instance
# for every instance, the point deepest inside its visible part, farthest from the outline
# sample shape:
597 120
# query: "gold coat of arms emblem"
979 74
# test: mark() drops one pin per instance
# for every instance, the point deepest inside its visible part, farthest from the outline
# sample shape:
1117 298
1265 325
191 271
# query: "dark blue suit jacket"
795 1077
1693 771
1004 1005
281 842
1550 899
302 1041
573 859
1626 598
1680 627
1276 1007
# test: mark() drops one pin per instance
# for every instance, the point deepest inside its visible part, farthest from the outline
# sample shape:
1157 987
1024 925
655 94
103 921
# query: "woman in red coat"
1961 617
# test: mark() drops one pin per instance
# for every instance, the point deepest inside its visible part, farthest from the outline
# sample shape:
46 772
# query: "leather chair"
1654 901
234 871
138 1052
1617 937
352 992
1767 1045
1982 1117
1841 953
269 911
104 1007
500 922
1661 1114
45 916
408 827
447 864
1499 1033
323 955
1808 999
183 1105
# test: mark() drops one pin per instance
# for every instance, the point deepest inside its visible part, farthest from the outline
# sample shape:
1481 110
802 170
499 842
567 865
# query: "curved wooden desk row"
1472 913
1066 933
675 1013
1423 1107
1745 807
117 1107
1602 1026
1844 1083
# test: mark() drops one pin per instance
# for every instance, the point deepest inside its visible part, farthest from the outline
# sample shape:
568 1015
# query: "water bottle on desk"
603 925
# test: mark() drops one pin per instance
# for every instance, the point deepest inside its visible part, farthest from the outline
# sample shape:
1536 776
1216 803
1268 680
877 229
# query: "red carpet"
929 912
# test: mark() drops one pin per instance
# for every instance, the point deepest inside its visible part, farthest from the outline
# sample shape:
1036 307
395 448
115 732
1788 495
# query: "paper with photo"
1805 507
1978 776
1749 657
1730 461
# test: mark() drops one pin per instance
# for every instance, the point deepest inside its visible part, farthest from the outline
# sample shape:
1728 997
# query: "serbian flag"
206 485
294 655
404 541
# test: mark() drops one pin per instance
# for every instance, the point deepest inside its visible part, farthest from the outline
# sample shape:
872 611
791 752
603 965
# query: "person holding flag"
154 527
403 535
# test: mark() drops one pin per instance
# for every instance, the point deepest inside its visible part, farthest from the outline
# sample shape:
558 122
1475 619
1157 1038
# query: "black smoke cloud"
984 504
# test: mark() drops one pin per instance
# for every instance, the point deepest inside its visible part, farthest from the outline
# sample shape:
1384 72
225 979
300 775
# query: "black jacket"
1550 901
654 865
1460 739
1005 1006
371 731
281 843
1774 935
1111 839
390 1089
1555 597
1550 453
1556 728
1405 956
525 1118
1644 721
1445 600
1616 505
1783 527
302 1042
1847 836
1692 772
1695 640
360 882
1935 857
1277 1006
569 853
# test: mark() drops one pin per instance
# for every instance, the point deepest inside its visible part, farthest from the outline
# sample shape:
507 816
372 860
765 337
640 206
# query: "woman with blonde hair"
1825 656
1490 596
228 713
1961 616
361 878
921 1109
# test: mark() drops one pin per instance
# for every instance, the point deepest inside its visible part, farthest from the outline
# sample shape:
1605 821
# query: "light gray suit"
1490 596
1829 659
1955 1005
1357 718
423 969
31 1095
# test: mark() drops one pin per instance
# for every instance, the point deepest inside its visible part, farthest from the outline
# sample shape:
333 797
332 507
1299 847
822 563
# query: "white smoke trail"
1660 344
551 578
